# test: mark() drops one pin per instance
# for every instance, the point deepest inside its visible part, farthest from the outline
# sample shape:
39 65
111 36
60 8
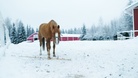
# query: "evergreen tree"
62 31
13 35
21 32
32 31
84 30
75 31
37 30
65 31
28 30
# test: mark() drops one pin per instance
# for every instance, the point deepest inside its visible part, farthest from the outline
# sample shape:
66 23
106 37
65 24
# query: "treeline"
71 31
103 31
18 32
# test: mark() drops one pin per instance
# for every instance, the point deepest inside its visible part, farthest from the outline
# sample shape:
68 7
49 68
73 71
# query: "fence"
122 37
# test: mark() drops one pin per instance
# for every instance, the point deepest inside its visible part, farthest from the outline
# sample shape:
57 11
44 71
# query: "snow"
76 59
70 35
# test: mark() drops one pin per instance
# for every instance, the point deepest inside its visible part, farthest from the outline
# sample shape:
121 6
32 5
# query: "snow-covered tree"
29 31
62 31
4 32
84 29
13 34
83 32
9 25
128 19
21 32
37 29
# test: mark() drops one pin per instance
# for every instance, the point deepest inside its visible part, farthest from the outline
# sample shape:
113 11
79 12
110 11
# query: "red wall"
136 21
69 38
63 39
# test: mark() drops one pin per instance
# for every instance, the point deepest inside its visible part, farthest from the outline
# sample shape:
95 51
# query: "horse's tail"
43 43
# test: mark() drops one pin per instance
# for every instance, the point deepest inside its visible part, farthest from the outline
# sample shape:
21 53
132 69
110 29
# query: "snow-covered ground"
76 59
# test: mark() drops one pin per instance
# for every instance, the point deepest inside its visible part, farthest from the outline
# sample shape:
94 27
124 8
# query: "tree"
29 31
13 35
21 32
84 30
9 25
37 29
126 21
75 31
32 31
62 31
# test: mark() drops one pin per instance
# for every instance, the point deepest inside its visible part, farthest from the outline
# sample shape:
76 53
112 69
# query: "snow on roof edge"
70 35
129 8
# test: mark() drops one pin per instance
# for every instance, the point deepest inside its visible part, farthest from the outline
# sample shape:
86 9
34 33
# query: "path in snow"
81 59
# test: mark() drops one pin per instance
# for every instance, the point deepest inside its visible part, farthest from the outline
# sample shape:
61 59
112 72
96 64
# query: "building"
133 11
64 37
70 37
33 37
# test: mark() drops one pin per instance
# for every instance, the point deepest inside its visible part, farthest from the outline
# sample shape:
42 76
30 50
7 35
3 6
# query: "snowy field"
76 59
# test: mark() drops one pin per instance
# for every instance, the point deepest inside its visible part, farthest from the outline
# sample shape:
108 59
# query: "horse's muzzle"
57 41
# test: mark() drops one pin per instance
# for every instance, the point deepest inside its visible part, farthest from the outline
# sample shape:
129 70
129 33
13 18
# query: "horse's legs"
40 41
47 45
54 49
48 48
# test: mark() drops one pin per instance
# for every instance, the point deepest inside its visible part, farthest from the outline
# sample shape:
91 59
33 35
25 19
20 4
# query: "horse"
47 32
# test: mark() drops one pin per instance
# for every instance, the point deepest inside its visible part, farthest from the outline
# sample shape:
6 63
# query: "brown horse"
49 31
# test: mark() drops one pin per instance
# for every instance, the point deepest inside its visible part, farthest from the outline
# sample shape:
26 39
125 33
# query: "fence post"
131 34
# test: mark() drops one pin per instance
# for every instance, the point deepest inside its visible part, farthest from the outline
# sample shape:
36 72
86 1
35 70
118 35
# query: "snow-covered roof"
130 8
70 35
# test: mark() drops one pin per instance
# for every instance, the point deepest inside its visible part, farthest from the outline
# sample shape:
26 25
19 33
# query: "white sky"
67 13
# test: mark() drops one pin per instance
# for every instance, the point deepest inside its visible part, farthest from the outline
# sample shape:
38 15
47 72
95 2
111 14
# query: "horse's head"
56 34
55 28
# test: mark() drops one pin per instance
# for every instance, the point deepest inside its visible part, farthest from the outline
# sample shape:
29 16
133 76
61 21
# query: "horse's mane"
52 22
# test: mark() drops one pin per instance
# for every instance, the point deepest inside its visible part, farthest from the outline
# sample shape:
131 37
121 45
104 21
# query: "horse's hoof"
49 58
54 55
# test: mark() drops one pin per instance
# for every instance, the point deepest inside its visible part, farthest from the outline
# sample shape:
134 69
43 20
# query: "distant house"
133 11
33 37
4 34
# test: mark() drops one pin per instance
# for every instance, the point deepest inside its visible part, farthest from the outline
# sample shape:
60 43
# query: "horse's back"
44 30
42 26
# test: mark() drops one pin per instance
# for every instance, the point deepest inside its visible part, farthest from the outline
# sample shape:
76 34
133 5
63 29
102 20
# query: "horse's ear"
58 26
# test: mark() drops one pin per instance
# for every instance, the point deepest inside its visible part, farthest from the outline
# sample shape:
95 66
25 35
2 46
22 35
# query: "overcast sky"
67 13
